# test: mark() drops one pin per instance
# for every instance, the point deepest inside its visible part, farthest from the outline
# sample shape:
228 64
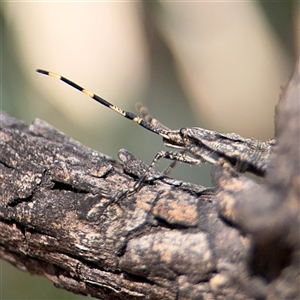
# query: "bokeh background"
217 65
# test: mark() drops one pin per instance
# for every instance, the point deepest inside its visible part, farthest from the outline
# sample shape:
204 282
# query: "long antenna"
127 114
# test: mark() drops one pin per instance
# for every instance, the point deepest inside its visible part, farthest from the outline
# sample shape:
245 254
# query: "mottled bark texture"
171 240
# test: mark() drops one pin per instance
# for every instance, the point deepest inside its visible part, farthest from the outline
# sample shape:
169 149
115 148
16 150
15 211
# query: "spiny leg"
175 156
129 115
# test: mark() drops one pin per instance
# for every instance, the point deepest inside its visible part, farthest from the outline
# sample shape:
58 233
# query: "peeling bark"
171 240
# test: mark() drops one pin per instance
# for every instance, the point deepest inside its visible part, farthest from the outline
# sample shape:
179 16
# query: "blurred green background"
213 65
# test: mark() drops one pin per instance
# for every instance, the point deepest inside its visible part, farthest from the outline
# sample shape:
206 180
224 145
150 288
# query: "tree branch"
171 240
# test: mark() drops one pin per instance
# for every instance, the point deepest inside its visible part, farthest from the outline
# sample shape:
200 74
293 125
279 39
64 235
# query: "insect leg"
172 166
175 156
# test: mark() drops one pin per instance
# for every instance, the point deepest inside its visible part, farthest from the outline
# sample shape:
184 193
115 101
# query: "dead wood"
171 240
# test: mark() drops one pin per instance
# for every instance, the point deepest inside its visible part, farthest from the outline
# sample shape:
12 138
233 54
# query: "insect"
245 155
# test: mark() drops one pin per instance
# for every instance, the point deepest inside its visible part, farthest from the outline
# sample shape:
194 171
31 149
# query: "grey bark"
171 240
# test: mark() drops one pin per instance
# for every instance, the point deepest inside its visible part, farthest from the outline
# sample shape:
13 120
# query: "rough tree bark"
171 240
